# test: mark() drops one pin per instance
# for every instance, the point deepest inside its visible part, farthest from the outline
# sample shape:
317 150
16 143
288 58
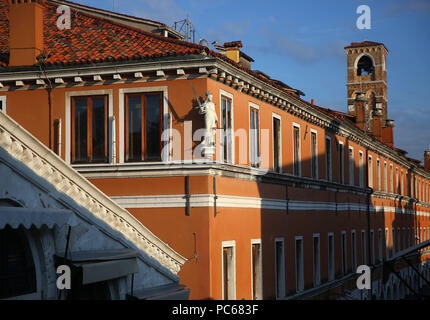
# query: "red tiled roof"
233 44
365 43
92 39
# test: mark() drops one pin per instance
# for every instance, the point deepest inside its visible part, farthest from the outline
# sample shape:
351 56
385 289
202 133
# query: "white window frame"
351 166
331 260
300 283
316 155
370 171
232 136
299 152
260 291
277 116
258 157
3 100
372 247
316 273
228 244
282 280
329 169
121 115
111 132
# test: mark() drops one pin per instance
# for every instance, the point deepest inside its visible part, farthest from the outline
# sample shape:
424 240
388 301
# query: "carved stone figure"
211 120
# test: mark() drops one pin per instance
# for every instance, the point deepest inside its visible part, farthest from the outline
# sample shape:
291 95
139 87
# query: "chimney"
232 51
387 133
427 160
359 110
25 31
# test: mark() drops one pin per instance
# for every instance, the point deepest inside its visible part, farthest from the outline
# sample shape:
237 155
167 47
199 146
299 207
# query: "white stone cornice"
21 145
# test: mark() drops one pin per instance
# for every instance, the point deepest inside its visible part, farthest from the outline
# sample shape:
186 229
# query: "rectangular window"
341 163
143 127
328 158
363 247
402 184
378 173
370 173
404 239
331 266
398 240
393 242
344 252
372 247
408 185
89 129
280 268
296 151
316 260
409 237
353 251
229 270
361 169
3 104
351 166
391 179
397 181
314 156
226 122
387 244
257 274
255 137
380 245
277 145
385 177
299 264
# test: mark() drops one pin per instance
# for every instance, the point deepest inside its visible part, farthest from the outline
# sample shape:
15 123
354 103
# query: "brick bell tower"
367 89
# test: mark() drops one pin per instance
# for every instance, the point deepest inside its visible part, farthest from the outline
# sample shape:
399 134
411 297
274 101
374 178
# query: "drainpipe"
369 192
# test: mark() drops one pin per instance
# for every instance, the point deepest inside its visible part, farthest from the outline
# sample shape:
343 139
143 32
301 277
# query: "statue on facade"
207 109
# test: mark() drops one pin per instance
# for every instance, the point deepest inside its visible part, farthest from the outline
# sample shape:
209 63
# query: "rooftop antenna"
113 5
186 28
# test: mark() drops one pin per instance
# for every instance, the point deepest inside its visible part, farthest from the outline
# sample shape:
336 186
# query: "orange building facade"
296 196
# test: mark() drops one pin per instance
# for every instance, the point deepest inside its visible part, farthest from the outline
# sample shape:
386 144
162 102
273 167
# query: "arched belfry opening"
365 66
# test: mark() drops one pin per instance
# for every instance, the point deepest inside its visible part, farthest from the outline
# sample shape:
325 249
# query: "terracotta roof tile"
365 43
94 39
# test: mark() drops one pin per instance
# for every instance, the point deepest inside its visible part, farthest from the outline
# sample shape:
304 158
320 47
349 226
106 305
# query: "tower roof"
365 43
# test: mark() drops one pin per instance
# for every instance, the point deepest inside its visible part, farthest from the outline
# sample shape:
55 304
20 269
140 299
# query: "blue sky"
301 43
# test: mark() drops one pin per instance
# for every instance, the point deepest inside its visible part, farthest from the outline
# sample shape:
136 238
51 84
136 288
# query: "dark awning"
102 265
27 217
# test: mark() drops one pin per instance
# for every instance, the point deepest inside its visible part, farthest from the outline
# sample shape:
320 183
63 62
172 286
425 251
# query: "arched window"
17 272
365 66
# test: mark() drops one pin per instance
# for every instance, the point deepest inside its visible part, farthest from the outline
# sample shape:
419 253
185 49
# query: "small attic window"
365 66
